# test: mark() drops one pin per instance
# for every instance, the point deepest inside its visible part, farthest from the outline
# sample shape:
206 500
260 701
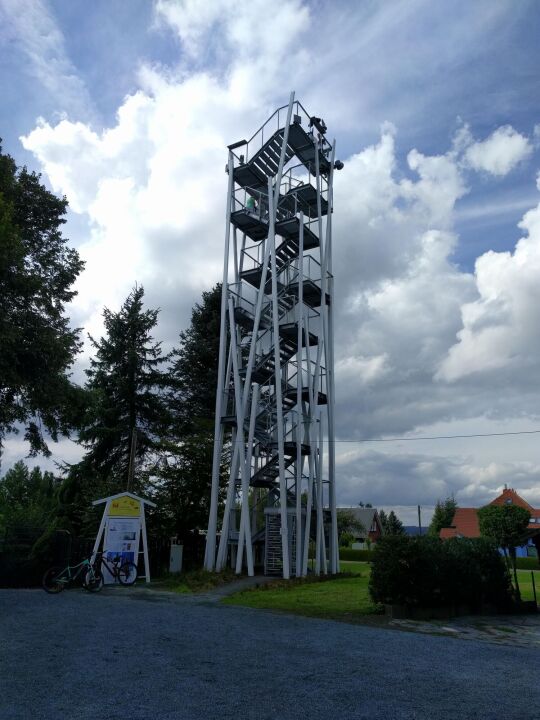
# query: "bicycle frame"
70 577
115 565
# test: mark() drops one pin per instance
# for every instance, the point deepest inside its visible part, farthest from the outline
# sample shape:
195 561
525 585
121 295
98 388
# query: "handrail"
298 109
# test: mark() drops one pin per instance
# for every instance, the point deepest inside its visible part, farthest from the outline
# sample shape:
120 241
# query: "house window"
508 501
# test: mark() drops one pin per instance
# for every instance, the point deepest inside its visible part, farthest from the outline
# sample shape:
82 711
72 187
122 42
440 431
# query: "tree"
391 524
394 526
126 387
193 373
507 526
443 515
27 497
348 527
184 472
37 271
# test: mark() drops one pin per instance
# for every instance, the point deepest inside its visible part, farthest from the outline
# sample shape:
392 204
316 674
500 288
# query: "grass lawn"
343 598
525 584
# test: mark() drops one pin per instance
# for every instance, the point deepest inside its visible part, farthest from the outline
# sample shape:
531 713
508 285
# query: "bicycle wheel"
93 581
52 581
127 573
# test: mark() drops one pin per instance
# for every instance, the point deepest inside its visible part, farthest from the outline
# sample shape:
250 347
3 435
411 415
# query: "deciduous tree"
348 526
37 344
507 526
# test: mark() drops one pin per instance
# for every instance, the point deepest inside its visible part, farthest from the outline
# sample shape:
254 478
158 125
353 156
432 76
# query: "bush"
358 555
427 572
346 540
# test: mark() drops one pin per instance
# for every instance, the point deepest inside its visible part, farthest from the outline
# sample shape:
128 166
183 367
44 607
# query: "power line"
439 437
431 437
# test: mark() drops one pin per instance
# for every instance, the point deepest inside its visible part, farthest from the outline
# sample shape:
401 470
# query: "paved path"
159 656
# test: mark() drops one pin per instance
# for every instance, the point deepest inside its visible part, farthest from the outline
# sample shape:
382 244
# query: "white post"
321 495
330 389
299 388
145 543
279 404
101 530
238 453
210 551
245 520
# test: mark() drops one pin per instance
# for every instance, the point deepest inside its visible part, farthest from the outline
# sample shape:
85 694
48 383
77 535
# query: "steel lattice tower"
275 396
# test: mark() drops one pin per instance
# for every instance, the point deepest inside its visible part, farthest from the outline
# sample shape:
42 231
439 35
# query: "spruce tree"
27 497
183 477
443 515
394 526
126 385
193 373
390 523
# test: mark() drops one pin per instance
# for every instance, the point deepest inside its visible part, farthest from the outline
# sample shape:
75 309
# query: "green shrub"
427 572
346 540
358 555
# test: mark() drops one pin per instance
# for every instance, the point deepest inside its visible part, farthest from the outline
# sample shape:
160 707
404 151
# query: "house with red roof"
465 521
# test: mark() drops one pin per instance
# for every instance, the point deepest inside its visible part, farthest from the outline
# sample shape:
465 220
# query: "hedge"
426 572
359 555
527 563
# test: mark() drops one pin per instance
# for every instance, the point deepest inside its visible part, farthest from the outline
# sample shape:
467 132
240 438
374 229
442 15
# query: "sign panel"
125 506
121 540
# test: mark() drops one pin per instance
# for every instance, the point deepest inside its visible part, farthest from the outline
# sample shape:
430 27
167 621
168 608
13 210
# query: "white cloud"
247 28
500 330
500 152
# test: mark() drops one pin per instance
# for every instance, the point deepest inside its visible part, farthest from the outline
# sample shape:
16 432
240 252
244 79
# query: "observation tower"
275 394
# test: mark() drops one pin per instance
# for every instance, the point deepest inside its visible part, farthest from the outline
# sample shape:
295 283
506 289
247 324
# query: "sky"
127 109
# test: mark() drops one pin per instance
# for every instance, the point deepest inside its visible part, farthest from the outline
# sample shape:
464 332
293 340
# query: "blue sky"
126 107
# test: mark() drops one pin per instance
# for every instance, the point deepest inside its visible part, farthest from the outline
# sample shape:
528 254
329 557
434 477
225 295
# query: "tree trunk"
513 556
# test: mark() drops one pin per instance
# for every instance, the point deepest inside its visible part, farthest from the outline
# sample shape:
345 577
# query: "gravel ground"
158 656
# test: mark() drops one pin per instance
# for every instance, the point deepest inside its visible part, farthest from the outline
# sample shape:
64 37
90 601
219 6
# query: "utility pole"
419 521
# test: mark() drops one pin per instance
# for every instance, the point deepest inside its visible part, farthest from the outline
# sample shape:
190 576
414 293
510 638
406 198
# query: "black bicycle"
124 571
57 578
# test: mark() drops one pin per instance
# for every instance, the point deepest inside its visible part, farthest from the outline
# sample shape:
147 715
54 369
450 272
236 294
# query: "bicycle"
57 578
125 573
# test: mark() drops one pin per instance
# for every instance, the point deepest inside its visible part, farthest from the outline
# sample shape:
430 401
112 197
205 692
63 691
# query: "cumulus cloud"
499 329
500 152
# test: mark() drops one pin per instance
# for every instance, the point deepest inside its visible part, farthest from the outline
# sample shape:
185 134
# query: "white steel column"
277 388
330 390
210 551
299 388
